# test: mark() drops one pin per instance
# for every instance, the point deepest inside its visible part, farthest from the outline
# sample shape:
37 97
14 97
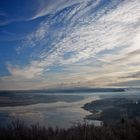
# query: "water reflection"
60 113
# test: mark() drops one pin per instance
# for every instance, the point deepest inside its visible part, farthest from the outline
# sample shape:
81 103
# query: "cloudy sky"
68 43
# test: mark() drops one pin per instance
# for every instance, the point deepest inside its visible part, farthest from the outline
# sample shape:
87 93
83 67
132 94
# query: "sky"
69 43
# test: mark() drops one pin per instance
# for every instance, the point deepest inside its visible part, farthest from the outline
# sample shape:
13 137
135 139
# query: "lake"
57 109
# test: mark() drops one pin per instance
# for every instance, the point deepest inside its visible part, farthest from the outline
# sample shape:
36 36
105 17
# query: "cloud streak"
103 37
28 11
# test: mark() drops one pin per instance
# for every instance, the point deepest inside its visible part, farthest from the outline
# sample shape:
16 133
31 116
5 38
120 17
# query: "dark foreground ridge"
123 130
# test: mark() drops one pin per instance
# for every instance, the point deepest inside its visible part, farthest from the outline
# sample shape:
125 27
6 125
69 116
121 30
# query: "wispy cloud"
26 72
101 32
29 11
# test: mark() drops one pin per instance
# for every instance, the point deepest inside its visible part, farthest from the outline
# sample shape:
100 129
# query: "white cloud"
28 72
112 30
38 9
88 36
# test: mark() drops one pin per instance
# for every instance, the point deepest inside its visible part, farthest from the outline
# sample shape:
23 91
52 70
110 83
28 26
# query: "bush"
123 130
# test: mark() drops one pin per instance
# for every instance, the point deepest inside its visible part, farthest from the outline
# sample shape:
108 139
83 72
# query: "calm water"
61 110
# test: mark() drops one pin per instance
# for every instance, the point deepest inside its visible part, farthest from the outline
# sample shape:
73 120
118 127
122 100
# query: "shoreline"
110 110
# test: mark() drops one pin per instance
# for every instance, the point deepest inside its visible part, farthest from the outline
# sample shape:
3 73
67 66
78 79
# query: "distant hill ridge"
69 90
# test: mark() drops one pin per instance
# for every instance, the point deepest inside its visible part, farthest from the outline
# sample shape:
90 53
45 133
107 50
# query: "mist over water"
53 110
